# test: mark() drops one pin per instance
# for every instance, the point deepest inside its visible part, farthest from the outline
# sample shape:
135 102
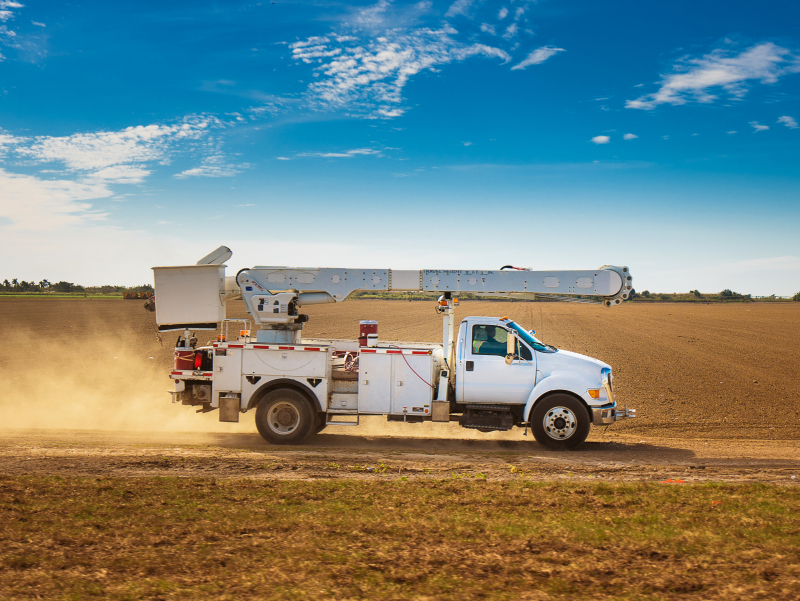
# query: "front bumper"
608 414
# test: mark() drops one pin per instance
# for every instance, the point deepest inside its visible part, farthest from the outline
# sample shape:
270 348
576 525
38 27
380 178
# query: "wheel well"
283 383
551 393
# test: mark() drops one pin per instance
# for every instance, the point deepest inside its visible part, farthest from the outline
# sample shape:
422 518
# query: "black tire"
285 416
320 425
560 422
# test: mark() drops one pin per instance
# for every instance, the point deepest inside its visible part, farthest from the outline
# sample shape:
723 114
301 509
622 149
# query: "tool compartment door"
408 389
228 370
374 383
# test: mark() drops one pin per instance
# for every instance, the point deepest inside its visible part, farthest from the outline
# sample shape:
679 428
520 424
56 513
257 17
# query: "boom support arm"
269 292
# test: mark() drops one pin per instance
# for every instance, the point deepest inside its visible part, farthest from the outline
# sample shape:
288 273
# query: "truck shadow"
589 450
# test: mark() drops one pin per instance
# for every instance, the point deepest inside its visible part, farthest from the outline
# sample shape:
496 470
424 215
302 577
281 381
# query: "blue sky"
459 134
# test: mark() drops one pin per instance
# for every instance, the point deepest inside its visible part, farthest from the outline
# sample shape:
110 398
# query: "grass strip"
169 538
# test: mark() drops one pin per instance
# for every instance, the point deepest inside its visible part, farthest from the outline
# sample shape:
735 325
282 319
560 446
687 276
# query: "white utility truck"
493 376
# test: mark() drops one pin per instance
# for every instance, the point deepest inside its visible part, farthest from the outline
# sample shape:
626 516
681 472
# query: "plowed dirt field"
107 490
711 383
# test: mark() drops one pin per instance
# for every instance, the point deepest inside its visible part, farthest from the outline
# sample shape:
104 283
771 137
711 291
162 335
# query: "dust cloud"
94 380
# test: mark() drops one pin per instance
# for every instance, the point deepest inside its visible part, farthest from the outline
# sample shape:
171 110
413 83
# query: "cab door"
484 376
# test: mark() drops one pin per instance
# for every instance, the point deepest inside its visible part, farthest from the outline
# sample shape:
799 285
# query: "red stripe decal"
235 346
177 373
419 352
266 347
310 348
368 351
209 374
286 348
394 352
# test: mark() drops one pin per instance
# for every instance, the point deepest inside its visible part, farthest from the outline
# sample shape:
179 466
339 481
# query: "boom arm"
269 292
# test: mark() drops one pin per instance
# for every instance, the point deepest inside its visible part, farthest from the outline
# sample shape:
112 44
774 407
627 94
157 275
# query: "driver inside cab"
489 340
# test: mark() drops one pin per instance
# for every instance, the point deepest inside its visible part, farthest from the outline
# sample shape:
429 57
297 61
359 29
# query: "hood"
572 362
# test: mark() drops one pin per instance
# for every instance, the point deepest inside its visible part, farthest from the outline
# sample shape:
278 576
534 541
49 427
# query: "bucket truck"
492 375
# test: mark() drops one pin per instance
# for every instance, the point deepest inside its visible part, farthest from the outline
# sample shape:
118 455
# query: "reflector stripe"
384 351
235 346
189 372
271 347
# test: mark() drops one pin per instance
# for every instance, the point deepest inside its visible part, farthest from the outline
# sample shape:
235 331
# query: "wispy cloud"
348 154
538 56
366 76
692 78
629 137
34 204
503 13
460 7
601 139
787 121
112 156
733 131
758 127
213 166
5 13
511 31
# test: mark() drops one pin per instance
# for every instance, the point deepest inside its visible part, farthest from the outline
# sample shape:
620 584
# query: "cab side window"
489 340
524 352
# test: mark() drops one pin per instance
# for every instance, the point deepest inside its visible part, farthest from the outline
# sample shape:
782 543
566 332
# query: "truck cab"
504 375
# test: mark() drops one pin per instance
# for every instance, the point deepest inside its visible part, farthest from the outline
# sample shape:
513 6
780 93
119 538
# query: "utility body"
492 375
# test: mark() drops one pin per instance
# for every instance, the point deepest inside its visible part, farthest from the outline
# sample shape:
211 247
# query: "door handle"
470 365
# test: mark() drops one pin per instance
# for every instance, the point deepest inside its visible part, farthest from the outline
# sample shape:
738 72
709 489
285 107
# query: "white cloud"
213 166
38 24
467 143
486 28
34 204
112 156
459 7
283 158
693 77
538 56
349 154
629 137
601 139
757 127
787 121
368 78
511 31
503 13
733 131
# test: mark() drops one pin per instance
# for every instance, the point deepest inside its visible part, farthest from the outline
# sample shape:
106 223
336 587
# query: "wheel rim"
560 423
283 418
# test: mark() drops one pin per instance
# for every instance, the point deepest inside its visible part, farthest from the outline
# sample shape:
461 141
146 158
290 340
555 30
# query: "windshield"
530 339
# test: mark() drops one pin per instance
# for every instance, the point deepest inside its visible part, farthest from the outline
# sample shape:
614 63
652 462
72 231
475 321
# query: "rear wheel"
285 416
560 422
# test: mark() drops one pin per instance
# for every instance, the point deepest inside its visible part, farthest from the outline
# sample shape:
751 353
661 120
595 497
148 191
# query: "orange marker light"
594 393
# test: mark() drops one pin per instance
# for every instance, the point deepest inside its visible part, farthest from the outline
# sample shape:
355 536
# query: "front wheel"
284 417
560 422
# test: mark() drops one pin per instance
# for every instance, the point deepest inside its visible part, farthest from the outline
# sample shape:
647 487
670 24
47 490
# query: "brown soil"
715 387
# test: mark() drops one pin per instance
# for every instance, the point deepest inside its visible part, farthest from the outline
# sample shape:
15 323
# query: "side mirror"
511 347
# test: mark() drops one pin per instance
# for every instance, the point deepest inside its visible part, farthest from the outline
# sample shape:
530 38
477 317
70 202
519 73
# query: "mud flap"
229 409
440 411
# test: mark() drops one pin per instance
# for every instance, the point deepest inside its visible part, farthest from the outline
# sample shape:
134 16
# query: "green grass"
85 538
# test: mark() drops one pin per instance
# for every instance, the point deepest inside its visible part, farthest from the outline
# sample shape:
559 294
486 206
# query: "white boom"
193 297
272 295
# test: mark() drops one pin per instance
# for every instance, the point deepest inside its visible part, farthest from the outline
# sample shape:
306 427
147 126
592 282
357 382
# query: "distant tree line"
15 285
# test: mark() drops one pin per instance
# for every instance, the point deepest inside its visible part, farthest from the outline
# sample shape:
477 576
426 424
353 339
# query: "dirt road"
223 456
